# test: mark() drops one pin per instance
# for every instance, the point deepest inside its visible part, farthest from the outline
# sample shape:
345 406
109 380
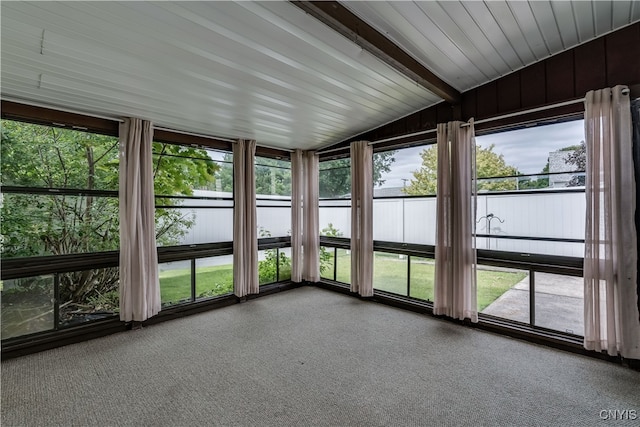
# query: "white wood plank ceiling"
469 43
267 70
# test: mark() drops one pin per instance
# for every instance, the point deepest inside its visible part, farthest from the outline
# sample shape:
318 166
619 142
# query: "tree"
273 176
539 182
488 164
335 175
79 220
326 256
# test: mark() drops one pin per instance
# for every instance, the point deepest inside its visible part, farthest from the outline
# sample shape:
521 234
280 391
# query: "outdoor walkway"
559 302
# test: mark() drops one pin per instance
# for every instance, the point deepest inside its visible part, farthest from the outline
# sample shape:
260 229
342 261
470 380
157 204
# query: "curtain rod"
535 110
200 135
531 110
504 116
487 120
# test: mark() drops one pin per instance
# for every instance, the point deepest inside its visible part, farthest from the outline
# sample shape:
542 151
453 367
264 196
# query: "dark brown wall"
604 62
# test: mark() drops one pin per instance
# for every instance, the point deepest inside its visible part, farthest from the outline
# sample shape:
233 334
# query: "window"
194 195
531 190
531 201
59 202
194 210
60 191
273 197
335 198
404 204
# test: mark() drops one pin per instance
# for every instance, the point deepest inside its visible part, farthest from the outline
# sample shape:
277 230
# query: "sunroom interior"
272 127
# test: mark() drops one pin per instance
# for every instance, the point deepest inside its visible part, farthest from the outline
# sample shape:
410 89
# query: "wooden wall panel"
533 83
428 118
509 92
413 122
560 77
444 112
590 66
469 99
623 56
487 102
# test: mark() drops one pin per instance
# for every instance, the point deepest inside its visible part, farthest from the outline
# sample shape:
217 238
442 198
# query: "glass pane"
193 225
335 218
179 170
344 266
390 272
560 302
543 214
175 282
559 148
503 292
88 295
51 157
327 265
406 172
285 264
27 305
335 179
214 276
273 177
35 225
274 218
267 262
422 277
407 220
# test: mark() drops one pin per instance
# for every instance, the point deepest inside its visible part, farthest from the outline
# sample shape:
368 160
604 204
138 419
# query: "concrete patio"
559 303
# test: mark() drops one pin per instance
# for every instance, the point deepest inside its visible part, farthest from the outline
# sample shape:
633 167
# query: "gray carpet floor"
313 357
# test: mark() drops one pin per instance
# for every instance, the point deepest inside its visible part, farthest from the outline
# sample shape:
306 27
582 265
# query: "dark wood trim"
62 119
178 138
50 117
342 20
273 153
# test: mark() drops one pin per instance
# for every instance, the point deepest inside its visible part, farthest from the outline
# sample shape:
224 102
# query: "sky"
526 149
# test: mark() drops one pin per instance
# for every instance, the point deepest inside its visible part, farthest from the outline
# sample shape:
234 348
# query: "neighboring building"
558 163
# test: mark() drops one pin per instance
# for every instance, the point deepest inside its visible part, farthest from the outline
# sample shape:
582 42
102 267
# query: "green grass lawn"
175 285
390 274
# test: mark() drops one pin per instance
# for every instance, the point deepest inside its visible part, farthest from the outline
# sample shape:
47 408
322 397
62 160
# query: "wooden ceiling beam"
340 19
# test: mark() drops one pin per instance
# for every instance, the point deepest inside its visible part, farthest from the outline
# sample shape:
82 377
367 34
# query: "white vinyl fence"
544 214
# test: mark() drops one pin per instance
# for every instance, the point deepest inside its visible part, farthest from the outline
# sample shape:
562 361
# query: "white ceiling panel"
255 70
268 70
583 15
479 41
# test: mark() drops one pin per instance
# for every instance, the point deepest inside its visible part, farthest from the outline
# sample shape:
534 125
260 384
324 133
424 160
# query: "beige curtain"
311 229
245 232
297 191
610 261
455 272
362 218
139 283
